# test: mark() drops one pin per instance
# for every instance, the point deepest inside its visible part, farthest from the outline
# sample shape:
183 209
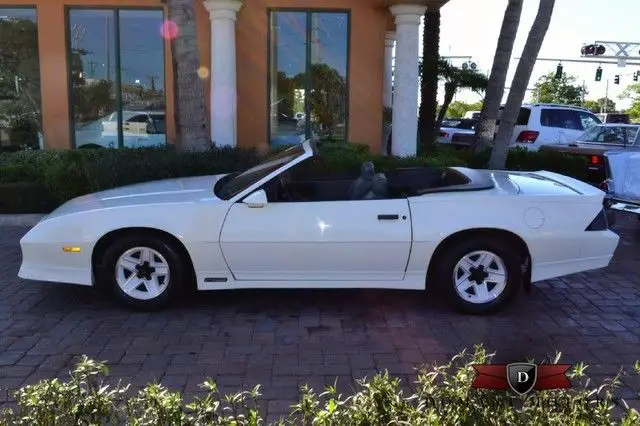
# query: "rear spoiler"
582 187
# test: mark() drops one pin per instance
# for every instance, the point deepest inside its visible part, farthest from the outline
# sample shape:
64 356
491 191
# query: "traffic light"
616 79
599 74
558 75
593 50
635 75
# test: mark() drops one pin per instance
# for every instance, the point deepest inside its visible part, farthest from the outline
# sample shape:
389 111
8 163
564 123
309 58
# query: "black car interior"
292 186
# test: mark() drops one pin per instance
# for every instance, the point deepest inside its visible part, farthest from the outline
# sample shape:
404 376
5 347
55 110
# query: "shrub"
443 396
25 197
64 175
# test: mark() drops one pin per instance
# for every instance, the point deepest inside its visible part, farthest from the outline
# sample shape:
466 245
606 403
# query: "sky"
471 28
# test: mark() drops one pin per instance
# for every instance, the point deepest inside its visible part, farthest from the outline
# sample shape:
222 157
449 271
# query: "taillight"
599 223
444 134
527 136
595 160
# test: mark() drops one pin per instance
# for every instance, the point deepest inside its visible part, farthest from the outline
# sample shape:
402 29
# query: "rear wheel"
479 276
143 271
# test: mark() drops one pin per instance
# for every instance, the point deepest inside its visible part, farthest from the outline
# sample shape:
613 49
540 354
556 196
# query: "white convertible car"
477 236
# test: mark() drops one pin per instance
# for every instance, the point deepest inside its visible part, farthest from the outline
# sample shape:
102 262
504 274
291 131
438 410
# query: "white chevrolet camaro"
476 236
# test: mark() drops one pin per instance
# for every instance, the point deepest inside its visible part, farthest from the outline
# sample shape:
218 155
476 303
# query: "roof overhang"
431 4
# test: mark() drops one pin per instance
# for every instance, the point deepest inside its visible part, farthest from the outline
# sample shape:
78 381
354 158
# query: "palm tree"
519 84
192 127
486 126
429 78
457 78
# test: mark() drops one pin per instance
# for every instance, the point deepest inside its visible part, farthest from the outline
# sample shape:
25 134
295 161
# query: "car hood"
168 191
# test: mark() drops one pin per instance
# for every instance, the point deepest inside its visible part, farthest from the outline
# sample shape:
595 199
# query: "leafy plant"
443 396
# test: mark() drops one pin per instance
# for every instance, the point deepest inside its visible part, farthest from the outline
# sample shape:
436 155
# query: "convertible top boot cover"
625 174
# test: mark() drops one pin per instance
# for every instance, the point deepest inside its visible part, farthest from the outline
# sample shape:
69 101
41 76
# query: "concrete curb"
20 219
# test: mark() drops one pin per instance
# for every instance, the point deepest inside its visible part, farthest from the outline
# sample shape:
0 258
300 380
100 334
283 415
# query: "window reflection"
142 78
117 78
93 76
288 65
308 73
328 74
20 119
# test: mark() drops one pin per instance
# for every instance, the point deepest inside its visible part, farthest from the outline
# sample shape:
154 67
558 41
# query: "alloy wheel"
480 277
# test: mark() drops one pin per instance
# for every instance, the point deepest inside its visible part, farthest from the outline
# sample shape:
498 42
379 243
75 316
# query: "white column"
224 111
405 78
389 43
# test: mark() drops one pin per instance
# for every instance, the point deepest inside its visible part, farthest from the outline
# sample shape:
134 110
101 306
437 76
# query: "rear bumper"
596 251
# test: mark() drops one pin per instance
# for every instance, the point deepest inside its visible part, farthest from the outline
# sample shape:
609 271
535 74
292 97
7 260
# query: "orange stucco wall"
369 21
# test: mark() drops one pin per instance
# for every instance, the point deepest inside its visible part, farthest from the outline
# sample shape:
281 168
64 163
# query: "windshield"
232 185
611 134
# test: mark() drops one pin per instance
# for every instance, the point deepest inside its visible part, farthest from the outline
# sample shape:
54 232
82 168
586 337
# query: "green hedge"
443 396
38 181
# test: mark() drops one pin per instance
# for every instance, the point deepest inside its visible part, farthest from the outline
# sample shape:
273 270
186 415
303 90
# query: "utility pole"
606 98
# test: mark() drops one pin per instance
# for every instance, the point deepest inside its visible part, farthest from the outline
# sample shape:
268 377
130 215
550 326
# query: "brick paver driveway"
281 339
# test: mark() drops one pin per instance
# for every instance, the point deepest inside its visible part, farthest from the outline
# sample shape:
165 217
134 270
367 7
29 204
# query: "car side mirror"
256 199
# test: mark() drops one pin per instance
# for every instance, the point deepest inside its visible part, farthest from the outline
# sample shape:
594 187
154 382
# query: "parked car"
272 227
614 117
540 124
139 129
474 115
593 144
622 183
453 127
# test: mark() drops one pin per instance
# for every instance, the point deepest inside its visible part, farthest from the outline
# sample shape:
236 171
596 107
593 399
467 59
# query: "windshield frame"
235 186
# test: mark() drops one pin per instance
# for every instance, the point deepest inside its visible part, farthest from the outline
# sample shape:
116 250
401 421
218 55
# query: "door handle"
388 217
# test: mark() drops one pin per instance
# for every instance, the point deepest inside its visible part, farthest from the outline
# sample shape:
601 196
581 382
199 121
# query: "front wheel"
479 276
142 271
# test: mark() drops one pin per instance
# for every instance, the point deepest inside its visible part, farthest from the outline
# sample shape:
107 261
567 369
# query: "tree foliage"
458 109
596 106
632 92
563 90
455 79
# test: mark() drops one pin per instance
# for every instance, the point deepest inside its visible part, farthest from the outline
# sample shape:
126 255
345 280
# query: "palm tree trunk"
192 127
486 126
449 92
429 79
519 84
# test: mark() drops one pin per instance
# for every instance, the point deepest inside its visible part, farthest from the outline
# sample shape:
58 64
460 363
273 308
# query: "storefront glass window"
20 119
117 78
308 63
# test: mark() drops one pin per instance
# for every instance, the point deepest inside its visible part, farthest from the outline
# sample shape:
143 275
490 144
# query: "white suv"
544 124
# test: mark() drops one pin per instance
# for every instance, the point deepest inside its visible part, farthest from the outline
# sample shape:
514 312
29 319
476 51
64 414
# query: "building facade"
98 73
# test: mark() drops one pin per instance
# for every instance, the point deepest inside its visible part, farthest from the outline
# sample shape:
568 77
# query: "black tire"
445 267
177 267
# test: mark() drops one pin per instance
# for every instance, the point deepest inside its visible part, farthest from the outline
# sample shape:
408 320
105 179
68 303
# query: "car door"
363 240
